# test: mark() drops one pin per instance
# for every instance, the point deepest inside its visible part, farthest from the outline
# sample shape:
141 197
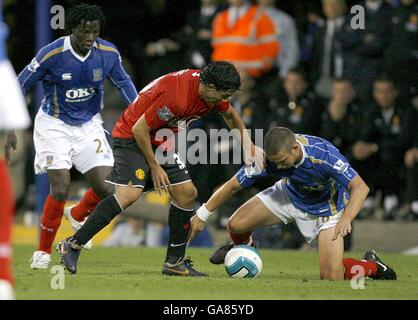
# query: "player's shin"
179 225
101 216
50 222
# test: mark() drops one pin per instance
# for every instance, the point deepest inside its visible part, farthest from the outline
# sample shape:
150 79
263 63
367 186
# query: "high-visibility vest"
251 43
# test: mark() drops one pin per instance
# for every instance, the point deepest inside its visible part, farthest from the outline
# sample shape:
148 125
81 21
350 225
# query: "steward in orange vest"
250 43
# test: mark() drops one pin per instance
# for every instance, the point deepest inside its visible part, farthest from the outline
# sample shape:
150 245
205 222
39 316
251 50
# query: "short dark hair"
300 71
86 12
277 139
384 77
342 79
222 75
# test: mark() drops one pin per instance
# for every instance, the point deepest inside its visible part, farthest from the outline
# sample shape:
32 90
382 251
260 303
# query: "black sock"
101 216
179 225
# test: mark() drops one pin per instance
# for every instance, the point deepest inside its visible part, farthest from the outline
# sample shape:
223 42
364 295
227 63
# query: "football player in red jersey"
160 105
13 115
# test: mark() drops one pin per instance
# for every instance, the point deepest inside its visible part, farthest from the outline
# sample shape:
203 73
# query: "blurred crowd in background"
303 66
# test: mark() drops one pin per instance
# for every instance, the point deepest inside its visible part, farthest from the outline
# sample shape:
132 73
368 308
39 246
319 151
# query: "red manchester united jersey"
165 102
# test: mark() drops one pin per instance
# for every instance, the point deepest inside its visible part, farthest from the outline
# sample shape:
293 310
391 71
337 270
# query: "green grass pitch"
135 273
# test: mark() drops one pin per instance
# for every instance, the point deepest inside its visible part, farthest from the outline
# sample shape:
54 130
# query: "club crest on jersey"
98 74
165 113
140 174
49 160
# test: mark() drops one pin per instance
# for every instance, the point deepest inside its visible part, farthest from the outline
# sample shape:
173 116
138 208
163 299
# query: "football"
243 261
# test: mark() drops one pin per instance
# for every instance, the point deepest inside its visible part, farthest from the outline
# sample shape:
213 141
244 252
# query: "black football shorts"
131 167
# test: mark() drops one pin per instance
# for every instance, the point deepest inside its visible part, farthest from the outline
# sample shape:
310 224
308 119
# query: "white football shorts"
13 110
60 146
277 201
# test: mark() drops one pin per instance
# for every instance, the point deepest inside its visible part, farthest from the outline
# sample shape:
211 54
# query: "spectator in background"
197 33
363 49
342 123
188 47
343 118
411 163
383 143
287 36
401 57
297 108
327 60
314 22
246 36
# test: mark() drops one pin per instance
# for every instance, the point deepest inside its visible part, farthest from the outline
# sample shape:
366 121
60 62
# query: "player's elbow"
140 132
137 130
365 190
360 186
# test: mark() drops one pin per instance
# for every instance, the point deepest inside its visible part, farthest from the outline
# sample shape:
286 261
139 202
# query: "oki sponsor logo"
80 93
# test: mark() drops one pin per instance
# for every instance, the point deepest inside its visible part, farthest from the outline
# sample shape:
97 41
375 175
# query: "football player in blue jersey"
68 127
317 188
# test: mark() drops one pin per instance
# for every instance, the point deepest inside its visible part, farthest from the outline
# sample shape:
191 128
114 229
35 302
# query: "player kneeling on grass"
317 188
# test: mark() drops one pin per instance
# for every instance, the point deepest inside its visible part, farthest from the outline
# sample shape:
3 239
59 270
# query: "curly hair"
222 75
86 12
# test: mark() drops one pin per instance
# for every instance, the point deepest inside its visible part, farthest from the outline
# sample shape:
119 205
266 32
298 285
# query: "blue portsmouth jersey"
73 85
318 184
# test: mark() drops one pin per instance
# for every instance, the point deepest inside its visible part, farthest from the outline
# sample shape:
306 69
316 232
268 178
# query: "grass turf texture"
135 273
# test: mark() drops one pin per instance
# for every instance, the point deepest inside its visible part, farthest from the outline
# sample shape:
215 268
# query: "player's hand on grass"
255 155
160 179
10 147
196 225
343 228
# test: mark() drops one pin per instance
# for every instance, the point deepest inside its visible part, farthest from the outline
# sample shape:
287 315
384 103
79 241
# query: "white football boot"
40 260
76 225
6 290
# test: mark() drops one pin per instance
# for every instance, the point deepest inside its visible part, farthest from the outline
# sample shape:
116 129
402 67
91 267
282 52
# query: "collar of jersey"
68 46
303 155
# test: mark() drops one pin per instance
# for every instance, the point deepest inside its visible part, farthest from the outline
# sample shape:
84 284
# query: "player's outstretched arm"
252 153
121 80
223 194
358 190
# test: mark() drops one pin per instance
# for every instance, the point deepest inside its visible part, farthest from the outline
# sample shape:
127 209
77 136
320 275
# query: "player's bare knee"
59 191
127 197
187 197
190 193
236 226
